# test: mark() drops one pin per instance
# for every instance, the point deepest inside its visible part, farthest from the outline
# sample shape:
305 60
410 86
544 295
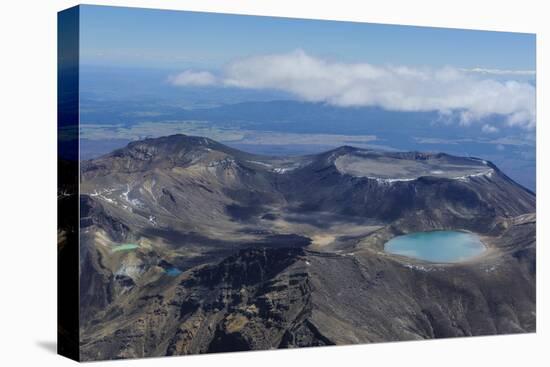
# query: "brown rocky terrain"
188 246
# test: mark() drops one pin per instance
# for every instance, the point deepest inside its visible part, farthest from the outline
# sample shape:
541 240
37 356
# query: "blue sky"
130 37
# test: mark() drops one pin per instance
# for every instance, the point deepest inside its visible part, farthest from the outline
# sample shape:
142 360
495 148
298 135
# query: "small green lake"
437 246
124 247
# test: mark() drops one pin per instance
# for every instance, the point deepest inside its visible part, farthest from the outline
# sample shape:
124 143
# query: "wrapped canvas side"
67 184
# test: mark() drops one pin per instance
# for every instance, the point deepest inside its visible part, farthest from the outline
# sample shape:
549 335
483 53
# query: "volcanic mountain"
190 246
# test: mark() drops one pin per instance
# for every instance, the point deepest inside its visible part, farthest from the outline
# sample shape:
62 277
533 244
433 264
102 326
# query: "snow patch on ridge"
282 170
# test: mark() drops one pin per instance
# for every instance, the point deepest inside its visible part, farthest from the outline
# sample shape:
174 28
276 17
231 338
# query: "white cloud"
193 79
489 129
473 95
501 71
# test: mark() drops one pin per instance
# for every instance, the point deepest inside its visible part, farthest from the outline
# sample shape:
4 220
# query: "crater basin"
437 246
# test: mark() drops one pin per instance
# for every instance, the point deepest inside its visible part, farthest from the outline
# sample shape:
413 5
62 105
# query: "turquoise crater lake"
437 246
